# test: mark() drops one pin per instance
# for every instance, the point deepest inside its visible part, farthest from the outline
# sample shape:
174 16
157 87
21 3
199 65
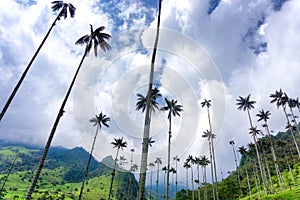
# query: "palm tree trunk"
145 147
151 183
176 183
47 146
204 181
291 130
113 175
187 182
198 174
237 169
291 172
192 179
248 182
157 178
268 171
169 155
88 165
212 169
258 157
213 162
295 120
12 95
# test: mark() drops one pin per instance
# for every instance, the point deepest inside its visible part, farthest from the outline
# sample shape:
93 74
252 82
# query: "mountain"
62 174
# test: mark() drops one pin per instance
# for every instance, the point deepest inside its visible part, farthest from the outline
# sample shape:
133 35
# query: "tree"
157 162
119 144
97 38
243 151
264 116
151 165
145 146
281 100
206 103
246 104
198 162
176 159
204 161
186 165
209 135
98 121
57 5
142 100
231 142
191 161
173 109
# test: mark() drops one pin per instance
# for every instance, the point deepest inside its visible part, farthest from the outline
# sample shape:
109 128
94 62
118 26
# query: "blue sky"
208 49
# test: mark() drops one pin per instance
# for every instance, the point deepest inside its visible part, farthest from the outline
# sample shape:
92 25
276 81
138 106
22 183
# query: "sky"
209 49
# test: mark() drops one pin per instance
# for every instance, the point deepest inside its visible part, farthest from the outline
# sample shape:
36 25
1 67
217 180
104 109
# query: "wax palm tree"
151 165
204 161
207 103
119 144
97 121
157 162
209 135
143 169
142 100
97 38
292 103
191 161
176 159
242 150
264 116
186 165
57 5
231 142
246 104
281 101
198 162
173 109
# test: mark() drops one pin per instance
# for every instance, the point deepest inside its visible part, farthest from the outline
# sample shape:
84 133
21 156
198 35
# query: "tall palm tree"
186 165
191 161
151 165
207 103
143 169
119 144
264 116
198 162
98 121
57 5
97 38
243 151
130 186
204 161
157 162
246 104
209 135
281 100
231 142
176 159
173 109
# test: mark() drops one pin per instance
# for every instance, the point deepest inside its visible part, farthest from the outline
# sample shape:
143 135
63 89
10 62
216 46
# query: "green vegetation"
62 175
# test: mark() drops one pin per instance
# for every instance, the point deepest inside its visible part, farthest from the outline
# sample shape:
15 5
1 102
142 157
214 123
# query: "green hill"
61 176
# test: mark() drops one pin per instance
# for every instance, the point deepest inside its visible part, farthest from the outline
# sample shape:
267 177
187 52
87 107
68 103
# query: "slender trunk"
176 176
268 171
257 182
47 146
169 156
237 169
187 182
258 157
212 169
113 175
145 147
192 179
12 95
295 120
291 130
278 173
157 179
213 161
291 172
204 181
248 182
151 183
88 164
198 174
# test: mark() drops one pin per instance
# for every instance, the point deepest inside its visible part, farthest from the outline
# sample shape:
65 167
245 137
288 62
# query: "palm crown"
119 143
206 103
64 6
142 100
245 103
100 119
172 107
97 38
263 115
